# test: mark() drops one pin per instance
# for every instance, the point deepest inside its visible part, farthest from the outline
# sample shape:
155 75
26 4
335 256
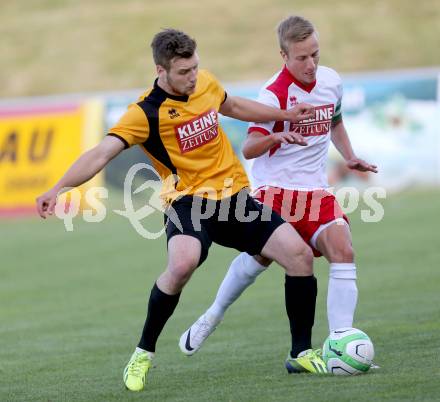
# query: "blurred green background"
57 46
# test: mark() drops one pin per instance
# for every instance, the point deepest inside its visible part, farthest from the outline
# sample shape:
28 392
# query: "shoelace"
134 368
317 353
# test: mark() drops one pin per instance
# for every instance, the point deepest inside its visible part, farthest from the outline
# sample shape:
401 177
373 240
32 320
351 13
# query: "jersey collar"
305 87
158 89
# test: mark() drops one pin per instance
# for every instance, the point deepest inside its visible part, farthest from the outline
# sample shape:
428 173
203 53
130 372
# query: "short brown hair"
293 29
170 43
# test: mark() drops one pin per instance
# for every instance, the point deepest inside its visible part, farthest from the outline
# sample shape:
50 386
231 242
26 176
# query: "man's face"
181 78
302 59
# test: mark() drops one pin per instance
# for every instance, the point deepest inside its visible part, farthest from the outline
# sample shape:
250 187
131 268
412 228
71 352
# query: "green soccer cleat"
309 361
136 371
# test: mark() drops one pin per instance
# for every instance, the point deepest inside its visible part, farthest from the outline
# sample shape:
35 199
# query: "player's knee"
344 253
180 271
306 256
302 261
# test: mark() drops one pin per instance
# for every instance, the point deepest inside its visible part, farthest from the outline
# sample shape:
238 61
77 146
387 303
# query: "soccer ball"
348 351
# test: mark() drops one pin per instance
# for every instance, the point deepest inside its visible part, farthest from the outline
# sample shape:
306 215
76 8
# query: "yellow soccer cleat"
135 373
309 361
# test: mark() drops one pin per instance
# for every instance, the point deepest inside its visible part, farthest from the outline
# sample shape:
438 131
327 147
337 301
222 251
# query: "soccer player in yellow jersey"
176 124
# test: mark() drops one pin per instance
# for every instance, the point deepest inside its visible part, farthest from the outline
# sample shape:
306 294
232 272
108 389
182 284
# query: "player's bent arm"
82 170
249 110
257 144
341 141
91 162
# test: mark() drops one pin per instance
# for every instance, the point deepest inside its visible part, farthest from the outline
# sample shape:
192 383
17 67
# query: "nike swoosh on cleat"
341 332
187 344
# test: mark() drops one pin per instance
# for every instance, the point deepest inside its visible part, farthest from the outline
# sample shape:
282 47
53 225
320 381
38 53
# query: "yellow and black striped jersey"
182 137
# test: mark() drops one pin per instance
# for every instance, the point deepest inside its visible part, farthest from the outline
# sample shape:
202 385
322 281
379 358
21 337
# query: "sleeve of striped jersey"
132 128
268 98
337 117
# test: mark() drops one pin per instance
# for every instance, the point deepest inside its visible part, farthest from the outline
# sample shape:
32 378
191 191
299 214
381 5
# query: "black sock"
160 307
300 297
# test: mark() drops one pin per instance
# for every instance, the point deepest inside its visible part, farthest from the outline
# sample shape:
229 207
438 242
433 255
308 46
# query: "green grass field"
72 306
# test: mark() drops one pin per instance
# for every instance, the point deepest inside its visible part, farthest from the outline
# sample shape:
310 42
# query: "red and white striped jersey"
293 166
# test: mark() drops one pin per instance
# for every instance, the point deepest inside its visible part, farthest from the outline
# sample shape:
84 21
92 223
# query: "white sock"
342 295
243 271
140 350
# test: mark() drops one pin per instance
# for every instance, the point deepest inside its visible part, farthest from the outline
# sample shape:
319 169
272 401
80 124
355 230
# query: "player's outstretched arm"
257 144
82 170
249 110
342 143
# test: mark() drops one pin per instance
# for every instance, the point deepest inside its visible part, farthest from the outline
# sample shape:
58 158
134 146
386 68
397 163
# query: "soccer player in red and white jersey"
289 174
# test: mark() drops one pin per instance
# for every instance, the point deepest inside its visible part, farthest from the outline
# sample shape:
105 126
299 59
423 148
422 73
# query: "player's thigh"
182 227
248 226
287 248
334 242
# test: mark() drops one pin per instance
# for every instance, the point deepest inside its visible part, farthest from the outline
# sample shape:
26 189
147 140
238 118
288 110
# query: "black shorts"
238 222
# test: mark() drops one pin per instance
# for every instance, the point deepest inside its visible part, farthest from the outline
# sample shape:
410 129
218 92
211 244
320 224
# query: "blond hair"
293 29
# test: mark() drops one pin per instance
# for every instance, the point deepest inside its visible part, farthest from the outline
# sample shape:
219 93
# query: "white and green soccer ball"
348 351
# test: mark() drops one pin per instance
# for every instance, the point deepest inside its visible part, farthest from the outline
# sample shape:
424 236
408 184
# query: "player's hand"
290 138
361 165
46 203
302 111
